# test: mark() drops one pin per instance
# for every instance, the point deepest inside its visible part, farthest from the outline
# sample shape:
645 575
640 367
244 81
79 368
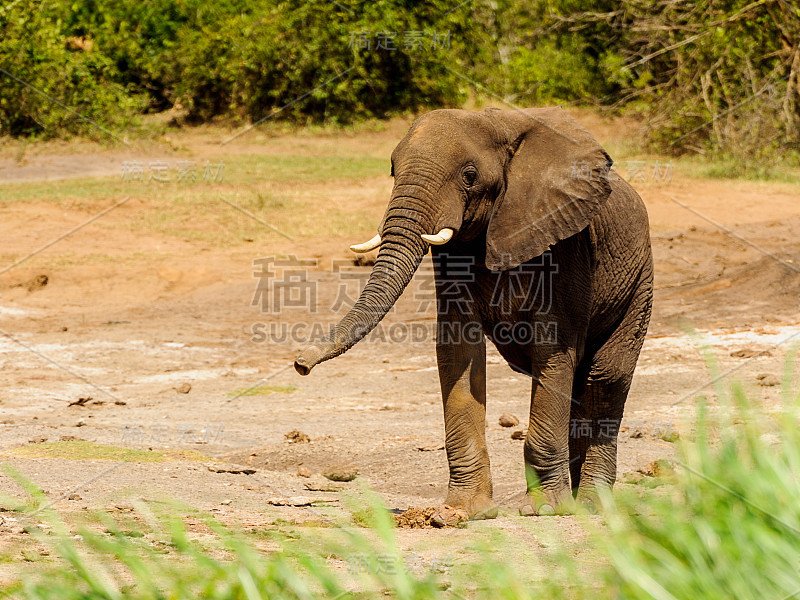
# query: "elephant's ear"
556 180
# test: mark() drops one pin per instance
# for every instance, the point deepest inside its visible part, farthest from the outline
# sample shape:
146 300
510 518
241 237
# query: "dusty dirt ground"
158 332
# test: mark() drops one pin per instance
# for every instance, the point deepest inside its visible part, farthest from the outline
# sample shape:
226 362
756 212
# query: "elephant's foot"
542 503
588 498
476 505
448 516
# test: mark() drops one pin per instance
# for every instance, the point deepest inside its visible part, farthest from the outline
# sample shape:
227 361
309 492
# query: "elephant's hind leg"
578 428
595 436
547 441
598 412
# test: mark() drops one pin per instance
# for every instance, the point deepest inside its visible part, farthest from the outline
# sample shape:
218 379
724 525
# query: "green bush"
45 70
241 59
729 527
715 77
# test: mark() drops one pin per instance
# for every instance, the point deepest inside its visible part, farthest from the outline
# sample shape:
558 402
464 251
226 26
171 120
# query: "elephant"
559 278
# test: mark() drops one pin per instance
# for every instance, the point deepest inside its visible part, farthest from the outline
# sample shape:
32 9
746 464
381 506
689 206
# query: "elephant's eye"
470 176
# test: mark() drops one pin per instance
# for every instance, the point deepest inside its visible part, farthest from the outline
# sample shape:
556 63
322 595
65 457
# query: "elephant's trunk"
400 254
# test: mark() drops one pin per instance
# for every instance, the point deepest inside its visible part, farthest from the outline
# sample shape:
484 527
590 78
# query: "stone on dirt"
303 471
507 420
341 474
744 353
518 435
767 380
233 469
184 388
293 501
320 484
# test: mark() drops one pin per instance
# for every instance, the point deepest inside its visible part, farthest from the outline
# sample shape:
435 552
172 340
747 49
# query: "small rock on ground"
184 388
234 469
507 420
341 474
294 501
518 435
320 484
768 380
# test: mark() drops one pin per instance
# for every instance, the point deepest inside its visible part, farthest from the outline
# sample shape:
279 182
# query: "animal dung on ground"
341 474
507 420
295 436
430 517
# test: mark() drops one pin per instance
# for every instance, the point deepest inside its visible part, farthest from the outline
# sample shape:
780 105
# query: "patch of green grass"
259 168
278 190
237 170
83 450
721 168
263 390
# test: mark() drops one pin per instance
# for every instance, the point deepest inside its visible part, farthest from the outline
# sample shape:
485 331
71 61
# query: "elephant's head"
513 181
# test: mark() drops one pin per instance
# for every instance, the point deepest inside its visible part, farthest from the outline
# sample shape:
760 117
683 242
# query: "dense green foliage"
715 76
325 60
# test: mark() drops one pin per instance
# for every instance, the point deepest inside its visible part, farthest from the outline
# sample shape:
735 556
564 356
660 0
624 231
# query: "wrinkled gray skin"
559 244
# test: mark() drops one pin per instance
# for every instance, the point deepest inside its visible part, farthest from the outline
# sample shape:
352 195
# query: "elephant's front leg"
547 441
461 354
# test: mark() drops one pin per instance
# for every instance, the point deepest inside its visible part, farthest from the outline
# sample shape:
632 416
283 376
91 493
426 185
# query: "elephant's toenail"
546 510
489 513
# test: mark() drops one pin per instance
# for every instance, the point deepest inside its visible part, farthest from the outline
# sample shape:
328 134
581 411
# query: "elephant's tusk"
444 236
367 246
